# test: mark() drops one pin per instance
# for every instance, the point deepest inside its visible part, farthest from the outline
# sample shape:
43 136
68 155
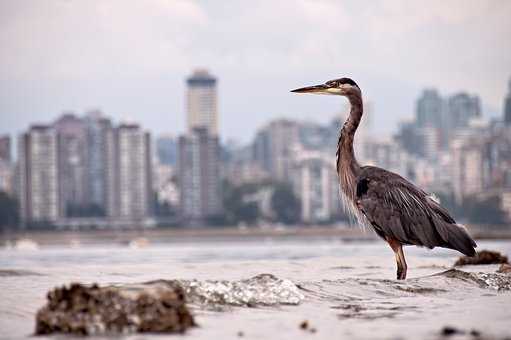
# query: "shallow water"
343 290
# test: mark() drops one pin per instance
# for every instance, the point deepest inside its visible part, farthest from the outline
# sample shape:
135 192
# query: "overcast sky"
130 58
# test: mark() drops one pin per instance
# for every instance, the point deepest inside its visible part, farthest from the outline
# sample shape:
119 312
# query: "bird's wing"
398 209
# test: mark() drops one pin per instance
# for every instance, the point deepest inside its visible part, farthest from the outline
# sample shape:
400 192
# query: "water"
267 288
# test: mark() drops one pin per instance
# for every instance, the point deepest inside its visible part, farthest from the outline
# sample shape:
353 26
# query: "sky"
131 58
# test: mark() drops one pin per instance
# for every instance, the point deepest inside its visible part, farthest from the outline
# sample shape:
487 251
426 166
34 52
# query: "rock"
483 257
304 325
448 331
475 333
504 268
93 310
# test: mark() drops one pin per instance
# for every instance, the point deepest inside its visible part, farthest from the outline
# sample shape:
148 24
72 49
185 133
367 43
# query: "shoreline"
345 233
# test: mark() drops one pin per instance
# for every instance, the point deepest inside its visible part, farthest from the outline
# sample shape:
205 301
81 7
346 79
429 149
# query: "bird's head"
340 87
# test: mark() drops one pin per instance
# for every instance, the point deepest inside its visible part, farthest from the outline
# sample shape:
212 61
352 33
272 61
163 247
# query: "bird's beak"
318 89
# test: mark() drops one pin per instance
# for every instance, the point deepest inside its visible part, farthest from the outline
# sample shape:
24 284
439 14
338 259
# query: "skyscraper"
100 176
5 148
507 106
202 102
429 109
132 173
38 175
199 175
261 153
462 108
71 148
6 167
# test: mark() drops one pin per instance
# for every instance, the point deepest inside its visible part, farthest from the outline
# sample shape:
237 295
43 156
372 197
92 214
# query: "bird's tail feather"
456 237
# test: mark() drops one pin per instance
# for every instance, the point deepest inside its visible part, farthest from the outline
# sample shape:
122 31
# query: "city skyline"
94 169
257 64
368 118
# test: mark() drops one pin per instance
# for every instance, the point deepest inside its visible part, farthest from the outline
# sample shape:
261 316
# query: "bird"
399 212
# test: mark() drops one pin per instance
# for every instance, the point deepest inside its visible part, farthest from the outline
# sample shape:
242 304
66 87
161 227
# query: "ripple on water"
17 272
370 311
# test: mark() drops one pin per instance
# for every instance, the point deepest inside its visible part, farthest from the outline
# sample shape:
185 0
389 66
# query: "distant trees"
485 211
243 203
475 210
238 209
285 204
9 211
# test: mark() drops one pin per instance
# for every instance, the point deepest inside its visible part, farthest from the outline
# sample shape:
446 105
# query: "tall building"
408 137
431 123
315 182
429 109
5 148
199 175
387 154
6 177
429 138
100 176
38 175
71 148
6 167
273 148
201 96
497 159
467 167
283 137
261 153
132 171
462 108
507 106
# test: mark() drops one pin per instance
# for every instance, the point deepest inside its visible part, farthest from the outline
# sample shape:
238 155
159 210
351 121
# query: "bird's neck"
347 165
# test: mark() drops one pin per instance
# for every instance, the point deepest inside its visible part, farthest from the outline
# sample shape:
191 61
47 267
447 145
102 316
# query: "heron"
398 211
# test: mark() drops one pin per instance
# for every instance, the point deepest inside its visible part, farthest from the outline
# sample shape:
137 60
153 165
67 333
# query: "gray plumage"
398 211
396 208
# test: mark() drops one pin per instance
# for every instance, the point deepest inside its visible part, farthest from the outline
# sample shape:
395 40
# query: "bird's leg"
404 267
400 258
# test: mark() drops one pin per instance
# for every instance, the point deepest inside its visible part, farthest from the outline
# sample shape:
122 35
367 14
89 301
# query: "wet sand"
348 288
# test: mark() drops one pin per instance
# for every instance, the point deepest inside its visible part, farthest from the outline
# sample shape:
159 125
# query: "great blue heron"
398 211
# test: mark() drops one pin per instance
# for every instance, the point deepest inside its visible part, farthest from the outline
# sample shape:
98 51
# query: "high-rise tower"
199 175
507 106
202 102
38 175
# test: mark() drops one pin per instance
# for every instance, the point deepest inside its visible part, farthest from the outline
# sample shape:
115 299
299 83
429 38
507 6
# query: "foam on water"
260 290
495 281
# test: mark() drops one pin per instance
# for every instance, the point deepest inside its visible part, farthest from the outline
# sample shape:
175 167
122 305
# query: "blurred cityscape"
86 171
